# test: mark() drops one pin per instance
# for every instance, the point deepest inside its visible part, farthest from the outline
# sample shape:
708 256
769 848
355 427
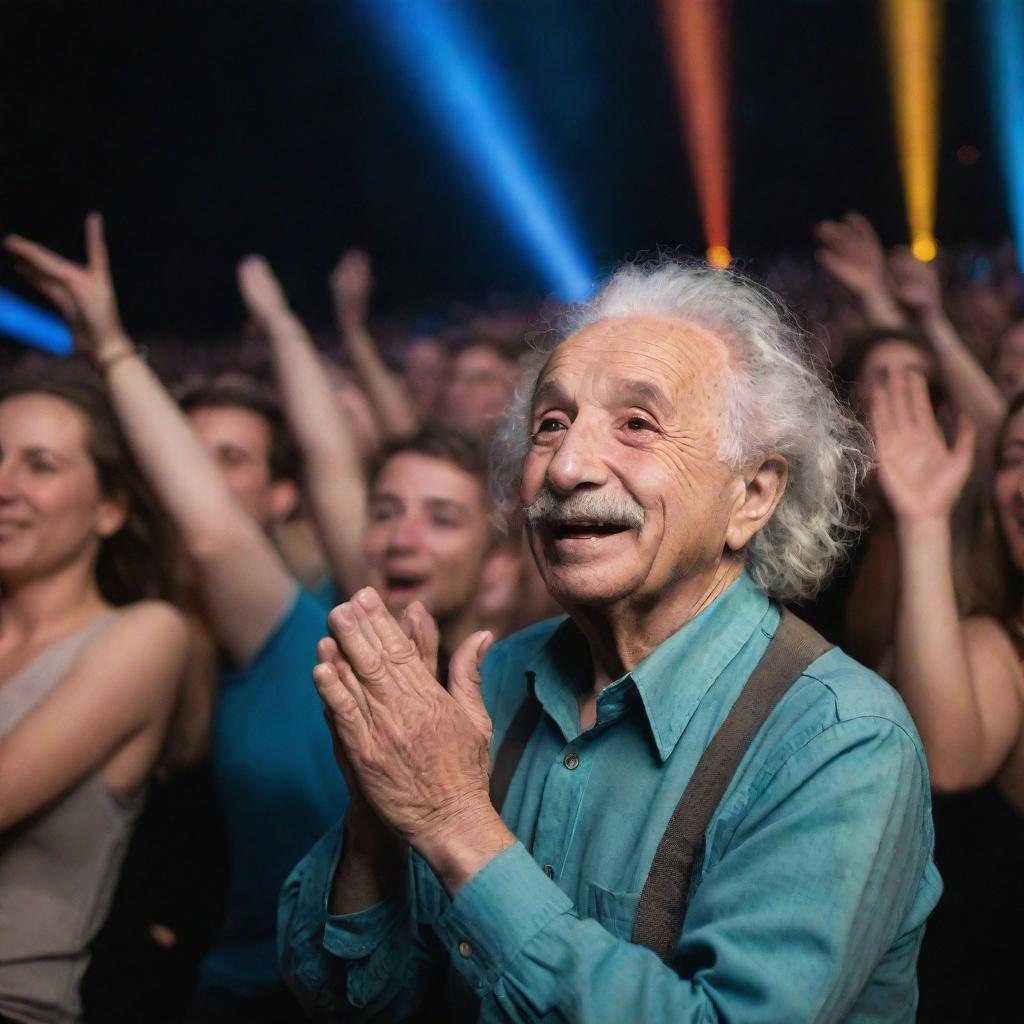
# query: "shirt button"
571 761
465 949
549 871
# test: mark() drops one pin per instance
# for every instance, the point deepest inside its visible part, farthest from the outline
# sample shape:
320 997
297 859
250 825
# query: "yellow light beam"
913 32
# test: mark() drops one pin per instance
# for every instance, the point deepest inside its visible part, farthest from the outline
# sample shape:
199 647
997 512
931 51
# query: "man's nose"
8 488
405 534
577 462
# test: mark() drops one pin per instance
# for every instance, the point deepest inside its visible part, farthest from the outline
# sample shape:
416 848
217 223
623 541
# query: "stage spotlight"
697 33
33 326
718 256
1004 33
462 87
924 248
913 32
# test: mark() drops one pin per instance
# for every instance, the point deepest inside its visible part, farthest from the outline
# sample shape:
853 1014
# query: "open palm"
922 477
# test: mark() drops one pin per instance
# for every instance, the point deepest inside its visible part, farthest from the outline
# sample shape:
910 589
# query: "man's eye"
638 423
549 425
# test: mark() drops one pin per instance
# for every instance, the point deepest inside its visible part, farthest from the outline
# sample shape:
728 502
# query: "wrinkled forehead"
679 359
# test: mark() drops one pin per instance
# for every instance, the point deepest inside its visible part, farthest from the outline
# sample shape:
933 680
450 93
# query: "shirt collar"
671 681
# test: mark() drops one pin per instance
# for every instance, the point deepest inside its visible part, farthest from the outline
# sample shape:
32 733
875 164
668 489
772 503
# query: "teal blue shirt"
279 786
809 904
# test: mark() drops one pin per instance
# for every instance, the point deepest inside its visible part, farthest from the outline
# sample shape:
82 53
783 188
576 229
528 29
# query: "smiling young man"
431 533
696 810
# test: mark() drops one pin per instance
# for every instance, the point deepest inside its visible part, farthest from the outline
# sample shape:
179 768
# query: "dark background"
205 129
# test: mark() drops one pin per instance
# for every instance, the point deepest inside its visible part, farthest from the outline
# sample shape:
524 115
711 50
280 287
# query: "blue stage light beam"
462 87
33 326
1004 33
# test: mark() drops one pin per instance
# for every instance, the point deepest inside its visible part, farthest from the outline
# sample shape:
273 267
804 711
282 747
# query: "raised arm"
334 479
351 288
972 390
960 680
112 709
852 253
245 587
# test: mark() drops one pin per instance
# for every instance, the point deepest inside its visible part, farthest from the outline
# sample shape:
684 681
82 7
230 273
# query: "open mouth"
582 530
399 585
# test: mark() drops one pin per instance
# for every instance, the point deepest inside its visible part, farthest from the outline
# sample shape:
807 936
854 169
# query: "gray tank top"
58 868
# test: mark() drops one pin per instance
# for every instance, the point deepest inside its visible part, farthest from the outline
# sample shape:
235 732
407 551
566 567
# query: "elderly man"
704 813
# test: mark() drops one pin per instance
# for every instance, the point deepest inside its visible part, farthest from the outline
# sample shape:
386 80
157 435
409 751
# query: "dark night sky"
208 128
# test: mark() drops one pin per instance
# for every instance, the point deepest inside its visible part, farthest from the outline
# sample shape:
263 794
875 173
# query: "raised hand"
852 253
419 754
921 476
915 283
83 294
352 285
260 289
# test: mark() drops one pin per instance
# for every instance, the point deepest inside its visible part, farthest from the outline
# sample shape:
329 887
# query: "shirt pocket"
614 911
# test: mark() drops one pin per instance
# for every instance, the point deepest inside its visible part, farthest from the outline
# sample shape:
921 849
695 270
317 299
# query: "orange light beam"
697 32
913 32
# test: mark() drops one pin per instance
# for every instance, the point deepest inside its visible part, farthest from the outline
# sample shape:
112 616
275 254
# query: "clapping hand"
921 476
418 753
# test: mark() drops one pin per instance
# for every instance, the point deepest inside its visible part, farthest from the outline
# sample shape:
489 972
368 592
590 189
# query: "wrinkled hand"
419 754
852 253
364 827
260 290
915 283
83 294
920 475
352 285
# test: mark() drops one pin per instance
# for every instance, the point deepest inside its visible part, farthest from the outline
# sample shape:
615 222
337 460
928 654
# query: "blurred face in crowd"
429 535
1009 488
623 487
886 361
52 511
238 440
1009 368
425 367
481 385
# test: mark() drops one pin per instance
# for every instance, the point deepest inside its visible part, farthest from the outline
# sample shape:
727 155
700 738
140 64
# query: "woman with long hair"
960 676
91 658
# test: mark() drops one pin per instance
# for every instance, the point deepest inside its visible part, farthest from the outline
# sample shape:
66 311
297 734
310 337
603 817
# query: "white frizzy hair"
775 402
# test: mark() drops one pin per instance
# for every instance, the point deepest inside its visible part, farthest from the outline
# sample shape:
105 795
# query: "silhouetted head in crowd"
240 424
431 528
71 494
483 378
1008 497
426 368
872 359
1009 365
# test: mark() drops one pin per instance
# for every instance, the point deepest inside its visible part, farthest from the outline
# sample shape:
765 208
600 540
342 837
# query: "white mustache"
584 507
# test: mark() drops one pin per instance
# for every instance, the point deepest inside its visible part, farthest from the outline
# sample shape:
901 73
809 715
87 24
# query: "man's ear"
762 485
284 499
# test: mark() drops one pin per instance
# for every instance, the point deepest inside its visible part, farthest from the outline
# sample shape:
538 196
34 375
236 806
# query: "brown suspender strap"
664 898
513 743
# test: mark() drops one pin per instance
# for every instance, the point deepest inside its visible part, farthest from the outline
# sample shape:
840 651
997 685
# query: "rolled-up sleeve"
353 966
817 871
